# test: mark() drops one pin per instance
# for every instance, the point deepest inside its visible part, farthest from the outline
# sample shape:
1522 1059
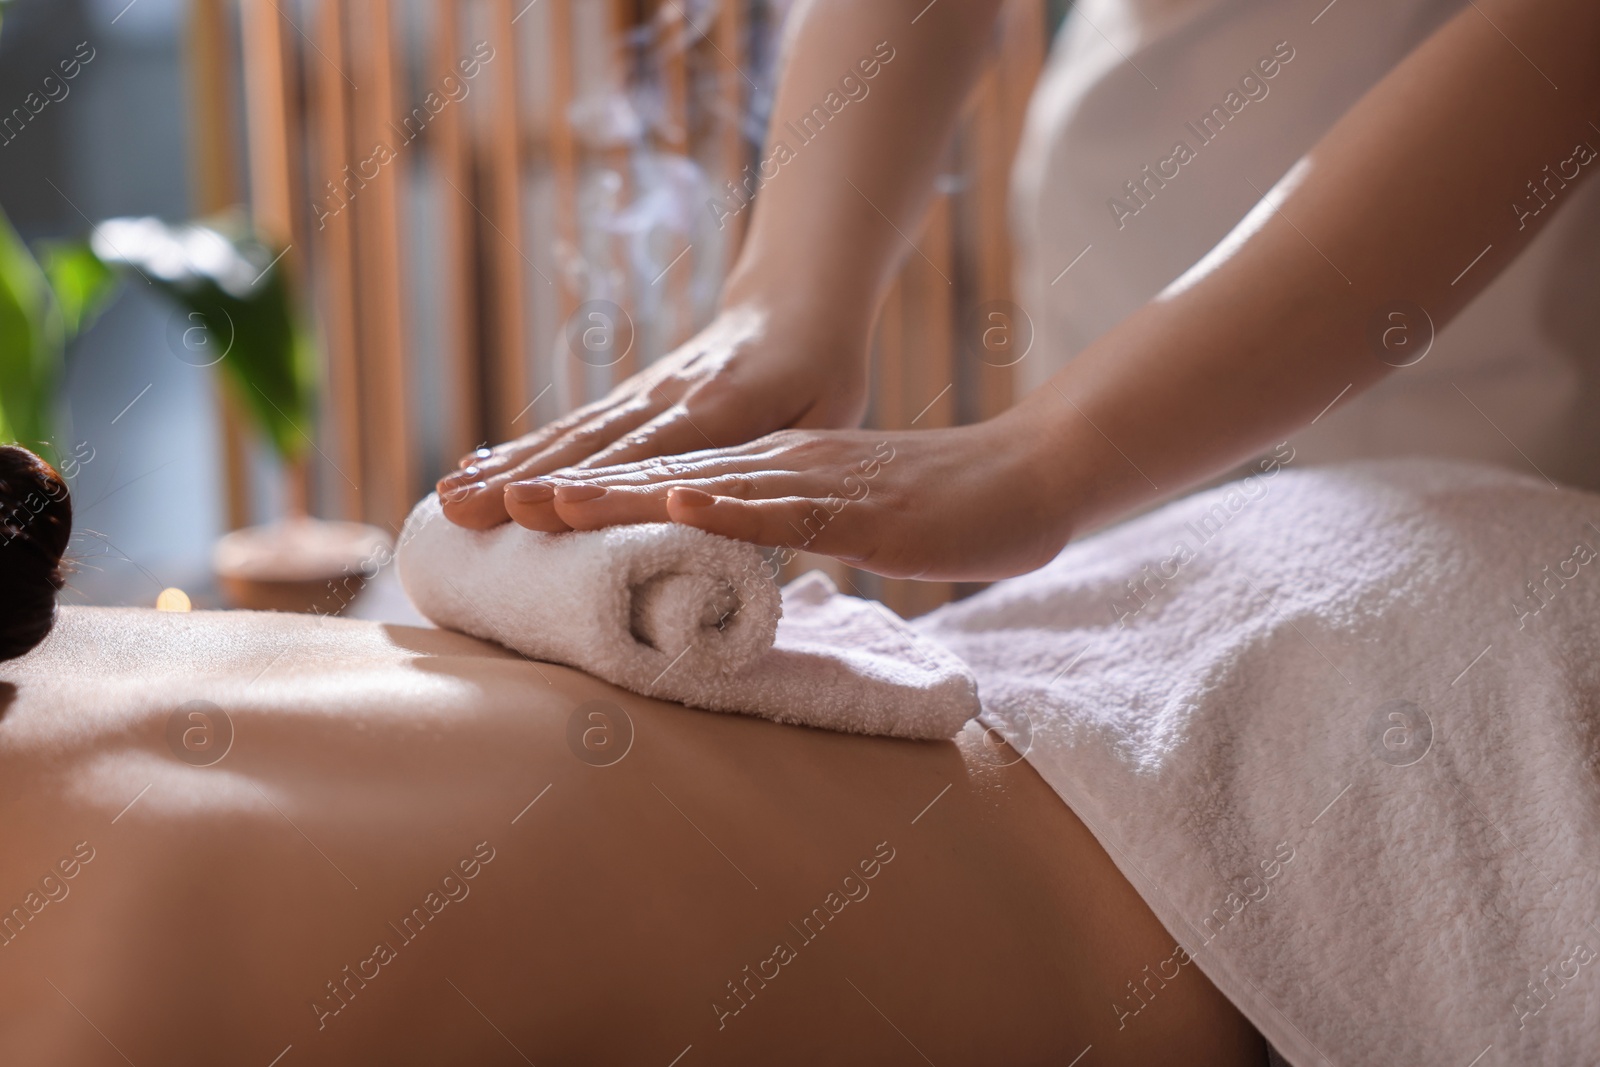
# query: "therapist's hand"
966 504
748 373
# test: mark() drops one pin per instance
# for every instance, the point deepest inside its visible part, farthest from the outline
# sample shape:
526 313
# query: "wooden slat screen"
459 179
218 188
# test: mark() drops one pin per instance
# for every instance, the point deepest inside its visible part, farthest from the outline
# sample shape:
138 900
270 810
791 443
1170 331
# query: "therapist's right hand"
749 373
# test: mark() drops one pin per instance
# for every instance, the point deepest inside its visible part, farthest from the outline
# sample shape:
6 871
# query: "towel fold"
676 613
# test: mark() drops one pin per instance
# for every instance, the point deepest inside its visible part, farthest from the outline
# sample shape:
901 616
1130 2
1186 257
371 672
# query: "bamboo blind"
457 179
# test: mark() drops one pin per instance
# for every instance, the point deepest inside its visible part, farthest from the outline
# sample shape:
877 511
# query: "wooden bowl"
300 565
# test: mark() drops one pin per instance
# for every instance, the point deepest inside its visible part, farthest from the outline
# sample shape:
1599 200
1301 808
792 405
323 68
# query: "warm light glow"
172 600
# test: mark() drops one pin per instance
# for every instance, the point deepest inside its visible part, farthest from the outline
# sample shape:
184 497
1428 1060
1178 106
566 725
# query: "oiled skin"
367 762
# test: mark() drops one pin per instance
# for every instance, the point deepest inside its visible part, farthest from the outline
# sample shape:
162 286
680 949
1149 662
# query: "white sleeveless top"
1129 79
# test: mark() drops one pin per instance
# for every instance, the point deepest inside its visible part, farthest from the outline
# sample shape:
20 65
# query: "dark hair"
35 523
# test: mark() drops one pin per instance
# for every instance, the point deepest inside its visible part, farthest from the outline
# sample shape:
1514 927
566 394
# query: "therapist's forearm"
836 197
1392 204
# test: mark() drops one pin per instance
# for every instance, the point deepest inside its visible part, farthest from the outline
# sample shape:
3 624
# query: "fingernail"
531 492
477 455
465 474
577 494
691 498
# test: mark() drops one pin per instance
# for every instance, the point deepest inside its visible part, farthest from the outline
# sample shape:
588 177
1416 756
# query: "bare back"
231 837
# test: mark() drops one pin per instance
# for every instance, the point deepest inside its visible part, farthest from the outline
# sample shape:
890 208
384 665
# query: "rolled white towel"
673 612
624 603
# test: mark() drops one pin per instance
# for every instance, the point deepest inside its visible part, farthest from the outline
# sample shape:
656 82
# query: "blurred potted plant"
238 314
42 307
39 314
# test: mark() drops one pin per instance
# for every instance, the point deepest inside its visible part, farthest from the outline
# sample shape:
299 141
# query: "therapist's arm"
1395 202
867 101
1426 172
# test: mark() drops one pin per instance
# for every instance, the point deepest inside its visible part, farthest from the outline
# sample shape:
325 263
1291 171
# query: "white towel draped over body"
1341 728
673 612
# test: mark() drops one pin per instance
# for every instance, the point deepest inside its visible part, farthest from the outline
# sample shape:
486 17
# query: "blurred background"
480 213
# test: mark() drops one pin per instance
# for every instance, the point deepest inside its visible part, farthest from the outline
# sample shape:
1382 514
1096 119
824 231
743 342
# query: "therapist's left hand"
963 504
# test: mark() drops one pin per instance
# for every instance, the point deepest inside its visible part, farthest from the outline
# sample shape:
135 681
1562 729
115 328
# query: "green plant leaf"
237 313
31 342
83 285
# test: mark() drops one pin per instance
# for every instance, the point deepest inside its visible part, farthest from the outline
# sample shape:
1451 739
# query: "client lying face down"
35 524
416 847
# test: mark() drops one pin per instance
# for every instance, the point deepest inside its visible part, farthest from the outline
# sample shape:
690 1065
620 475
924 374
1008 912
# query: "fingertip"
476 456
531 492
454 492
461 480
531 505
689 497
577 493
592 507
697 508
472 506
